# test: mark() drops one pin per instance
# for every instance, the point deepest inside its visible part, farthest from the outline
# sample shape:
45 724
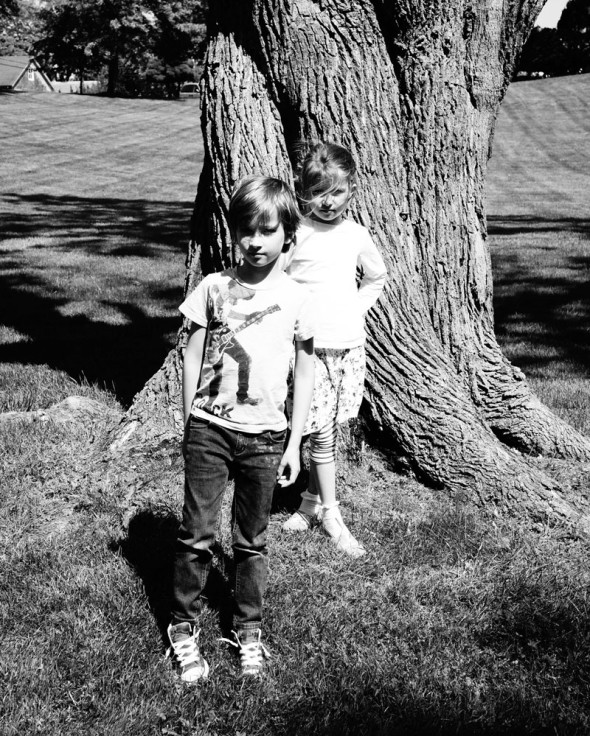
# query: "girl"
328 252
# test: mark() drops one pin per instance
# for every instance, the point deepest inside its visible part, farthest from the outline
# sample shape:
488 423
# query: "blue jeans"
211 452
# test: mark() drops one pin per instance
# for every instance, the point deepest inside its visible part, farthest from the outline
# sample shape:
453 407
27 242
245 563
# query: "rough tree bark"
413 89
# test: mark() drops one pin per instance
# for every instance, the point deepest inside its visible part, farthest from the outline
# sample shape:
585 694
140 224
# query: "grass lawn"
454 624
539 224
95 201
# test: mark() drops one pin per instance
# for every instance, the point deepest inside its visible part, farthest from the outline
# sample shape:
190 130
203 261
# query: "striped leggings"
322 444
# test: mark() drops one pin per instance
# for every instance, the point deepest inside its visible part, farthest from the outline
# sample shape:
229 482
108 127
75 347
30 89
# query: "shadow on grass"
521 224
289 498
542 291
120 356
90 222
149 548
398 711
123 356
541 617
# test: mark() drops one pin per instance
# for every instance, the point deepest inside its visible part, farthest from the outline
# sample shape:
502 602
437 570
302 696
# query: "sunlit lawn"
454 624
539 224
95 202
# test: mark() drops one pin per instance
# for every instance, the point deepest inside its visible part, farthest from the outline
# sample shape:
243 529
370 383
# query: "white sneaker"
336 529
251 650
302 522
185 650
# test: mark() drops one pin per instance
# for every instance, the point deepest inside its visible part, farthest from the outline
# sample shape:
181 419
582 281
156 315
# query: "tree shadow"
521 224
89 223
395 708
552 304
149 549
121 353
532 616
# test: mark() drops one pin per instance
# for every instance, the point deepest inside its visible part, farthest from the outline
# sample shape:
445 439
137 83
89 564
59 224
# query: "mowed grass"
539 223
95 201
454 624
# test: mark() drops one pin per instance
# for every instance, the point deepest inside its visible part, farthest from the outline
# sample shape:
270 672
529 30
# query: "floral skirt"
338 388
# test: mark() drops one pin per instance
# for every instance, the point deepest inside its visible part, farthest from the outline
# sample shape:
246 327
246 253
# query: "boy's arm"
303 375
191 367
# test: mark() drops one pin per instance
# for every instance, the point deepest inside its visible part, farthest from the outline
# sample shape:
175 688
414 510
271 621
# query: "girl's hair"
254 202
322 169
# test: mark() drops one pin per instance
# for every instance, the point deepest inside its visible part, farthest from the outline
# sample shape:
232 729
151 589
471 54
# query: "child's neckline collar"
262 286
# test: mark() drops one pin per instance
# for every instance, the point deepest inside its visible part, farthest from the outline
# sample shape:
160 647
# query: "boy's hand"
289 467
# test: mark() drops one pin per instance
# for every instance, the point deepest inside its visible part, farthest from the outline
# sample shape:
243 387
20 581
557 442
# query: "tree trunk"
113 74
413 89
82 77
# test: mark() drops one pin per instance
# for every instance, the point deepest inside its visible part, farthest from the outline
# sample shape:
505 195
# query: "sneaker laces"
251 653
186 650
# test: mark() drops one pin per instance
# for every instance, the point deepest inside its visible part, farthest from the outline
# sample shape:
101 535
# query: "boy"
244 321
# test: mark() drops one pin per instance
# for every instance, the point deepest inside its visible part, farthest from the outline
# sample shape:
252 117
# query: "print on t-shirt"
226 322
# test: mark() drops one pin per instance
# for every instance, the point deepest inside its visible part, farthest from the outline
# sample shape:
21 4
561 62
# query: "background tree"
67 44
8 8
178 46
18 27
82 36
413 89
9 11
546 52
138 48
123 40
574 29
561 50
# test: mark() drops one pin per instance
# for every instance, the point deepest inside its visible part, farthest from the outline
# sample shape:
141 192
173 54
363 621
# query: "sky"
551 13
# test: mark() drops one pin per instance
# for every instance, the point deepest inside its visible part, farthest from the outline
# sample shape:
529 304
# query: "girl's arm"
374 274
191 367
303 376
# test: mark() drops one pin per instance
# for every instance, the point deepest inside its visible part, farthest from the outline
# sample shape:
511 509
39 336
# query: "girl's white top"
325 259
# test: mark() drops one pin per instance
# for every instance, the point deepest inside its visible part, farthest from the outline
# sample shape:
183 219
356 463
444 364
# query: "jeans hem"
248 627
174 621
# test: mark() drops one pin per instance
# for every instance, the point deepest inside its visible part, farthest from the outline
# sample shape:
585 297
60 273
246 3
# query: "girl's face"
328 205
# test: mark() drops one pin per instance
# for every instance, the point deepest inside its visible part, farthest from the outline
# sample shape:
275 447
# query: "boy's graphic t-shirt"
248 348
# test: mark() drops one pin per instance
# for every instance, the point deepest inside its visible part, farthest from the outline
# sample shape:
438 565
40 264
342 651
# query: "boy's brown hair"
254 202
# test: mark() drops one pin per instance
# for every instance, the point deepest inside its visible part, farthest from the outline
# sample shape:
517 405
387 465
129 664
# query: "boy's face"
261 243
328 206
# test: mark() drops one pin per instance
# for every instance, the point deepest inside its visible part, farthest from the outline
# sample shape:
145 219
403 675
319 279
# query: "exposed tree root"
518 417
